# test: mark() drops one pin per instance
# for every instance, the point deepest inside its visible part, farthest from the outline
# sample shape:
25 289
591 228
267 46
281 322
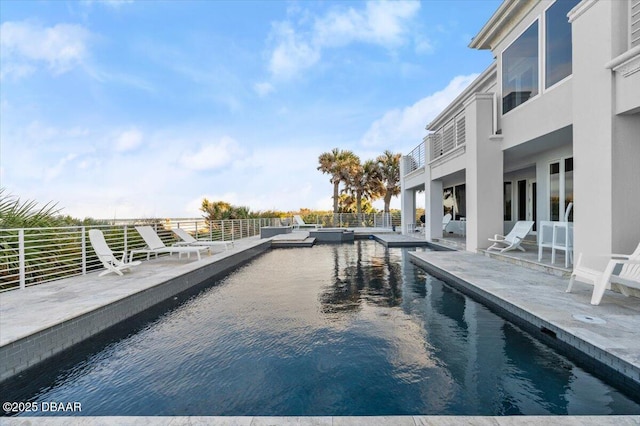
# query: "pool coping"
335 420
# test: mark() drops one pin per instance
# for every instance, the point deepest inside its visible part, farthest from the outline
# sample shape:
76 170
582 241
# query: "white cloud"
211 155
114 3
423 45
128 140
292 54
263 89
406 126
25 45
380 23
53 172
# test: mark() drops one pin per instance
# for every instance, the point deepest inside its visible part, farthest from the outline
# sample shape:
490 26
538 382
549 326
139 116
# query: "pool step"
307 242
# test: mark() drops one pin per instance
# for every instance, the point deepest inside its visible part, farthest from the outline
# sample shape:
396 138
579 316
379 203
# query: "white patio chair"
189 240
106 256
445 221
300 223
599 271
558 236
512 240
156 246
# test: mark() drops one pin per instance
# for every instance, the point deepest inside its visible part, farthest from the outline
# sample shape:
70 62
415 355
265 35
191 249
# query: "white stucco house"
555 119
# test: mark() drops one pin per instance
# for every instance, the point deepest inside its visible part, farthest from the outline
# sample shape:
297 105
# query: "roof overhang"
508 15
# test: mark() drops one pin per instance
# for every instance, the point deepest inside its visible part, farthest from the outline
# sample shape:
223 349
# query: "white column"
433 209
484 174
407 198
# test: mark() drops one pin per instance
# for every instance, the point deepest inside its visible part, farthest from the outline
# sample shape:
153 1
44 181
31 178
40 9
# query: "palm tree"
389 164
364 181
339 164
18 214
215 210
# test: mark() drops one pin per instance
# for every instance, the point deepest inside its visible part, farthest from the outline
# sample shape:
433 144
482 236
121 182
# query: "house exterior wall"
606 146
593 116
626 183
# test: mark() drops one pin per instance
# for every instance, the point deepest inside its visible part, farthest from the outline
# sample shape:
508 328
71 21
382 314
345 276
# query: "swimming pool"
352 329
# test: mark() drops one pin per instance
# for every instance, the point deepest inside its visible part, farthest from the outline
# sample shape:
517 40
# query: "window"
560 189
460 201
507 201
454 201
554 191
447 201
522 200
568 185
634 23
520 69
558 42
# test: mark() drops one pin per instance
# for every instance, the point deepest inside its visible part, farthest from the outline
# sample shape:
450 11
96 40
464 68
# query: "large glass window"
520 69
558 41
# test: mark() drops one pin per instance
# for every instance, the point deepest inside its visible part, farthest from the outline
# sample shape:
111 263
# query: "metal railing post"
84 251
125 248
222 229
21 261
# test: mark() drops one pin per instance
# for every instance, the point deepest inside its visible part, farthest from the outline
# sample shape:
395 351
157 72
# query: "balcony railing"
447 138
415 159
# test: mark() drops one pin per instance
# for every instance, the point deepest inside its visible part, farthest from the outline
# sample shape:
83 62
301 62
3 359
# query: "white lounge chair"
599 271
512 240
106 256
156 246
445 221
189 240
300 223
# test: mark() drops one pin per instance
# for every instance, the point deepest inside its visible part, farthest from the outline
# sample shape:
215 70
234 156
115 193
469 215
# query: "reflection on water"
350 329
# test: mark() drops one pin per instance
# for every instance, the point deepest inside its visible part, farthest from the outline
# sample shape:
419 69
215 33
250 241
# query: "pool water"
352 329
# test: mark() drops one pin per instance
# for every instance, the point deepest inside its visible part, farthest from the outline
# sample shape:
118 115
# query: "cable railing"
351 220
415 159
31 256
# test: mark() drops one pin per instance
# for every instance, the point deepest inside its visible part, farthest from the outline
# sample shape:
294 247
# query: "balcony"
447 140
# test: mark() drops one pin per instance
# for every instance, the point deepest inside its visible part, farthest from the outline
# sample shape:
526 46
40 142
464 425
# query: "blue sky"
141 109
